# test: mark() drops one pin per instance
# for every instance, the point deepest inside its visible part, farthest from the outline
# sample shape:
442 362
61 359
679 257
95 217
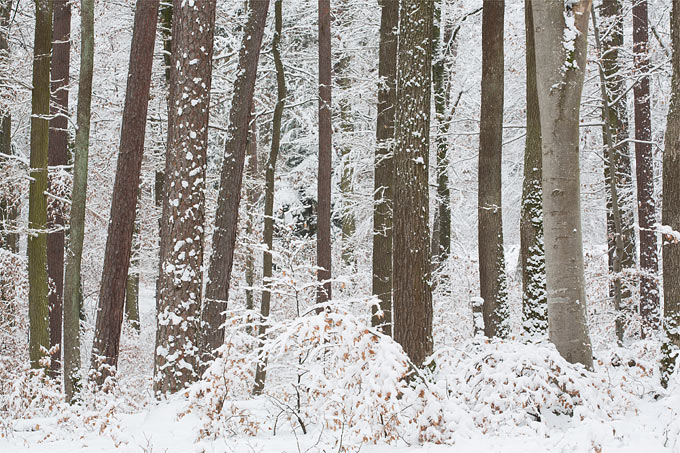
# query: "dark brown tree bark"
532 247
323 233
261 369
670 213
231 179
644 161
57 156
611 28
180 284
125 192
492 279
39 340
411 272
384 166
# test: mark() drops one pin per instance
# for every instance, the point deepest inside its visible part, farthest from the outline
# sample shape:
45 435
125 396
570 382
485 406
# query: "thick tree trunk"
492 279
178 300
620 165
323 233
58 145
384 166
532 246
231 179
125 192
670 213
644 162
37 207
411 272
560 83
79 199
260 372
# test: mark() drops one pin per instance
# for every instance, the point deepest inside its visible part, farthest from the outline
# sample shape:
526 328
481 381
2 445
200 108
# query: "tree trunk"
323 233
532 246
37 209
261 369
644 162
8 205
125 192
79 199
670 213
181 248
231 179
411 272
492 279
132 300
384 167
560 83
620 166
57 156
252 197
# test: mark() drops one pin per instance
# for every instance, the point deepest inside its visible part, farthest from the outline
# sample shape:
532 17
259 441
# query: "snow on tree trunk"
561 44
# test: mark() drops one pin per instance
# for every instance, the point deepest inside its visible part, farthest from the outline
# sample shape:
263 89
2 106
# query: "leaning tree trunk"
39 341
670 213
644 162
231 179
532 247
492 279
180 284
411 272
323 233
560 82
78 201
125 192
57 156
384 167
261 369
620 165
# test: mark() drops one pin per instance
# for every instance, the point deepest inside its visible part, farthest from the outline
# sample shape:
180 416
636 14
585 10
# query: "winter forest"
339 225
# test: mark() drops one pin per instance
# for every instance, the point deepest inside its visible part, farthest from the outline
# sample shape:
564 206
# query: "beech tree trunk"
384 167
261 369
323 233
532 245
560 82
231 179
39 339
670 213
644 161
411 272
78 202
125 192
492 279
57 156
181 246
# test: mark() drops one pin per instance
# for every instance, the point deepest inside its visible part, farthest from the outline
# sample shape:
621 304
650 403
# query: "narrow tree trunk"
323 233
252 197
492 279
57 156
261 369
79 199
125 192
610 152
37 209
132 300
181 248
670 213
644 161
384 166
620 166
411 272
532 247
441 101
231 179
560 82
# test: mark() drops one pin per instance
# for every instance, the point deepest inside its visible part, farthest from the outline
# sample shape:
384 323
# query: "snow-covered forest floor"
477 396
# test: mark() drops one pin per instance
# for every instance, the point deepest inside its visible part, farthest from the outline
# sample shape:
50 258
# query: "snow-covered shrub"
504 385
229 378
